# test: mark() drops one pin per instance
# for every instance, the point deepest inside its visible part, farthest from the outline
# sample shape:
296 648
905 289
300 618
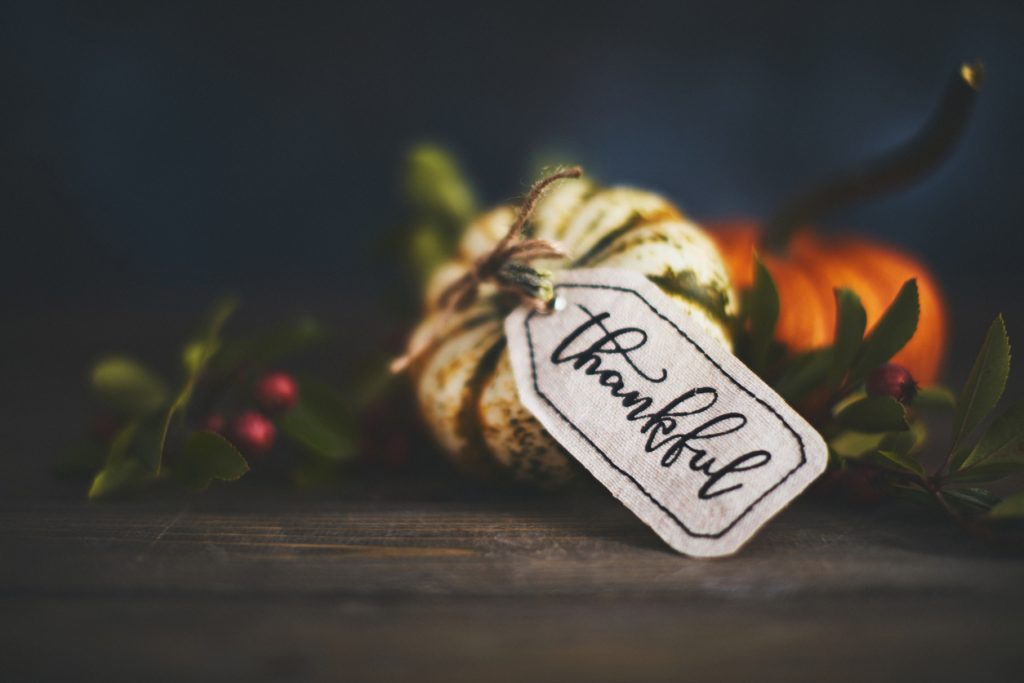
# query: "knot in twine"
507 265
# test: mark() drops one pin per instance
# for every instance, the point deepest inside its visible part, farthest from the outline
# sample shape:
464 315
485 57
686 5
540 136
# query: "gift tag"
675 426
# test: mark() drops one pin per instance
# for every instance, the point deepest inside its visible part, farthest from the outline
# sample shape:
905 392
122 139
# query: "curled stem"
893 170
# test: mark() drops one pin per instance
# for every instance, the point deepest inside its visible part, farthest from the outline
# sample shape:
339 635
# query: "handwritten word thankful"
663 427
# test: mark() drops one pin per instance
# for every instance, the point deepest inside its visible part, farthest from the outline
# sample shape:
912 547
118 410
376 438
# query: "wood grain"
415 580
287 588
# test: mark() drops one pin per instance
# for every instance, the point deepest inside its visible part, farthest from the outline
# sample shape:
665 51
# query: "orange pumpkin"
807 266
812 265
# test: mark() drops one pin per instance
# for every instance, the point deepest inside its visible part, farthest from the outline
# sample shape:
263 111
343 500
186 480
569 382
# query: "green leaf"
850 444
890 334
850 323
853 444
848 399
806 373
1003 442
903 442
120 477
985 383
321 421
934 398
128 387
123 442
972 498
436 187
899 461
958 457
1011 507
196 356
140 441
429 246
763 313
264 349
135 455
987 473
441 205
137 442
874 414
326 401
208 456
318 434
374 382
199 352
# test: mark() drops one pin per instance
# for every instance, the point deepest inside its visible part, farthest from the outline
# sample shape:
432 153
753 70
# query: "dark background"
156 152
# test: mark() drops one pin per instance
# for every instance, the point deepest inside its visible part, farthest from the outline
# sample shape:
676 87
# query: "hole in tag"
556 305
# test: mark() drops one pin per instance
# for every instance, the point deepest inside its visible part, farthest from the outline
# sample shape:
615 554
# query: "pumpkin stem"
528 205
507 265
893 170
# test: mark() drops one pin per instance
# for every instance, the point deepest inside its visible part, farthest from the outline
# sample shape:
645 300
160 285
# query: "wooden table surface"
434 581
260 586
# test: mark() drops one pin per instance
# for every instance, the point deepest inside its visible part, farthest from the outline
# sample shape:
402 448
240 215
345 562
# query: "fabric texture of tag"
674 425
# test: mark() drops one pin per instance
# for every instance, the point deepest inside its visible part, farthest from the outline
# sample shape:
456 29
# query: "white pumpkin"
464 382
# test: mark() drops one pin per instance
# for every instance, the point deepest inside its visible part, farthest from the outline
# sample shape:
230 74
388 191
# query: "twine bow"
507 265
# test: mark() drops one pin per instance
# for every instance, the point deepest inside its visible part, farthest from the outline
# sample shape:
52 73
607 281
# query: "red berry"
892 380
277 393
253 432
214 422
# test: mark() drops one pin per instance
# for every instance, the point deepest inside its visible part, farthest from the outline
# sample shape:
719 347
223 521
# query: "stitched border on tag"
639 486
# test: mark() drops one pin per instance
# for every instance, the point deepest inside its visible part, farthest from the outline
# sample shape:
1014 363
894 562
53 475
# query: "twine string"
507 265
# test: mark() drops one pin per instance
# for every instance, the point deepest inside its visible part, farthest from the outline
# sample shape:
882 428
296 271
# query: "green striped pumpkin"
464 384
